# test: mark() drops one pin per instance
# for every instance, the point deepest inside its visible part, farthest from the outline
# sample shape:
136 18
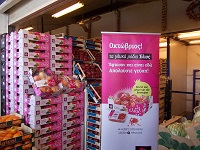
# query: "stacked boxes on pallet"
7 75
73 102
10 73
61 55
33 51
3 45
44 115
88 59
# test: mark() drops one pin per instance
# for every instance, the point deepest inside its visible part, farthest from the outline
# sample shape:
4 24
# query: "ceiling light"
28 28
189 34
163 44
68 10
194 42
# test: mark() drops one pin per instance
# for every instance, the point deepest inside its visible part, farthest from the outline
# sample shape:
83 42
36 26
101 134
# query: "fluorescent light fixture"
189 35
163 44
28 28
68 10
195 42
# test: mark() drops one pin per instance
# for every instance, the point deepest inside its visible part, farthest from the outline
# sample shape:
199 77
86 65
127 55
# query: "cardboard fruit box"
28 135
23 147
167 141
12 122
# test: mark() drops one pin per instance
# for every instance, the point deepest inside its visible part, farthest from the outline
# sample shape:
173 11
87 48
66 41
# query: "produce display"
45 82
10 120
14 134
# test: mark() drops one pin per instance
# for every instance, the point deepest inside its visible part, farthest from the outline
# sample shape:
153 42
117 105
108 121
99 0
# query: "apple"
36 78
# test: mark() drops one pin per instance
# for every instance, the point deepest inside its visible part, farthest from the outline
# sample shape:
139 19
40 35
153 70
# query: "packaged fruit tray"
14 134
11 120
88 70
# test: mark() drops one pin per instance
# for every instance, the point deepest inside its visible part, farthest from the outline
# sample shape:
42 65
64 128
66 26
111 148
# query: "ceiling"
91 8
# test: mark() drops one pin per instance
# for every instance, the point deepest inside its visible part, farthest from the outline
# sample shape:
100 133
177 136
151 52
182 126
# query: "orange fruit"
15 118
27 141
1 138
16 135
9 135
8 119
6 138
18 144
20 132
8 147
3 133
14 129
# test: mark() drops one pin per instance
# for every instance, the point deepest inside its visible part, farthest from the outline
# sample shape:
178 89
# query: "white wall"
3 23
178 74
193 63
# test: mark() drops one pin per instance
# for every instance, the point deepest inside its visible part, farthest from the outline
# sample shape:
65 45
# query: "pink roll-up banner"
130 91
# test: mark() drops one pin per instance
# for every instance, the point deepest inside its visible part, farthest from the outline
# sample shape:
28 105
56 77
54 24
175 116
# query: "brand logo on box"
25 63
25 72
25 54
25 45
64 133
53 48
25 35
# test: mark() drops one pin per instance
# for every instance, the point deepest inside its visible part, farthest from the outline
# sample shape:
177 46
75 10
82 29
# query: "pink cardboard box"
62 71
61 57
37 110
56 144
38 120
76 105
38 101
33 36
48 128
74 122
66 140
48 138
34 46
61 49
33 62
66 133
67 115
25 53
73 145
23 80
27 89
73 96
60 41
56 64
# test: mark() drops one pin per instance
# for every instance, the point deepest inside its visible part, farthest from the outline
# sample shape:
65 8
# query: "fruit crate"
94 90
88 71
167 140
11 120
27 135
83 55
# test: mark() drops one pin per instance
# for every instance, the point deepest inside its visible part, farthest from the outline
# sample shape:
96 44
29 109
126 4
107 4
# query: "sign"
130 91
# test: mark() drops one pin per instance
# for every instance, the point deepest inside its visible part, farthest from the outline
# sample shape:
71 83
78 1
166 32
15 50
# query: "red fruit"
124 96
36 78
